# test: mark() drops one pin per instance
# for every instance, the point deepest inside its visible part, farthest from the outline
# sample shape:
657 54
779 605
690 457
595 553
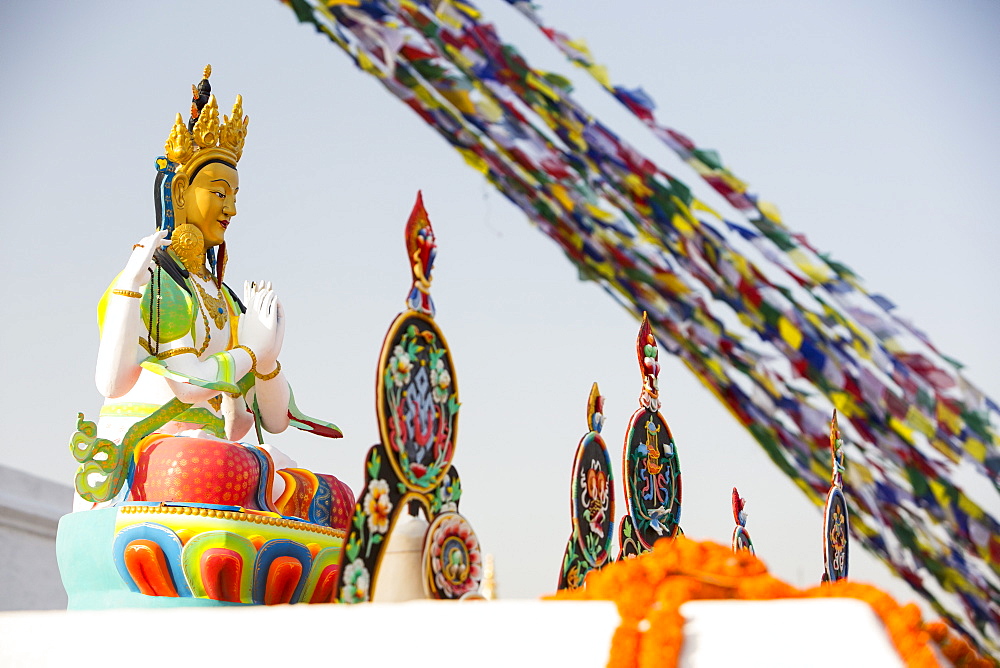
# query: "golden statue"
187 367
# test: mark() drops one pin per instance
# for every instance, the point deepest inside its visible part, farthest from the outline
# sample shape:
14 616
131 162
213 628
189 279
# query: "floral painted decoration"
419 398
592 501
356 582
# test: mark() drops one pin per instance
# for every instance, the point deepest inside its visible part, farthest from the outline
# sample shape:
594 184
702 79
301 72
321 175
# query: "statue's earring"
188 243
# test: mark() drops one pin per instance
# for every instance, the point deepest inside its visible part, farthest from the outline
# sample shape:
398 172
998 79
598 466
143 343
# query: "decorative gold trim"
213 305
127 293
176 351
145 345
234 516
253 358
267 376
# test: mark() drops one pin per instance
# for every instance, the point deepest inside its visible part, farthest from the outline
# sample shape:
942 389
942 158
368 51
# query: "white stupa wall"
818 633
30 508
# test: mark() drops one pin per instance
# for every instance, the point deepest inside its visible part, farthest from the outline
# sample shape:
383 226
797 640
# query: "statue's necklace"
215 306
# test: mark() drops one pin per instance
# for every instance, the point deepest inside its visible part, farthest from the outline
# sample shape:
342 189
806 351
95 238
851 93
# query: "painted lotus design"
455 557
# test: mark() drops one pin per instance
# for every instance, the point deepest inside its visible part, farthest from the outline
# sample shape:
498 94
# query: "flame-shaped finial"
595 409
649 365
837 453
421 250
739 503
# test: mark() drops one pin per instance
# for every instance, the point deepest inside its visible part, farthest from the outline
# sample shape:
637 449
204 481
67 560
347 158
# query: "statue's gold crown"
208 134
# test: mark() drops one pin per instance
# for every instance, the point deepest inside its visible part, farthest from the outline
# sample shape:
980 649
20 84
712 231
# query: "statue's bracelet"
267 376
253 358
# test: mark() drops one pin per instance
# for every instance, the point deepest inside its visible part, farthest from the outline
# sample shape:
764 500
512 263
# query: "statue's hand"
262 327
137 269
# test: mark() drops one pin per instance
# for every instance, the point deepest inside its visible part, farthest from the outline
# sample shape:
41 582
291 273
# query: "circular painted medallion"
836 535
417 401
652 477
593 499
452 558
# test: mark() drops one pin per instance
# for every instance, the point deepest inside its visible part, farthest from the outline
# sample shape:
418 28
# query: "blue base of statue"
84 550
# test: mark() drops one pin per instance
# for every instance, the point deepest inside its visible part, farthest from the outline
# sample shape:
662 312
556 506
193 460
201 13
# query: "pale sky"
872 125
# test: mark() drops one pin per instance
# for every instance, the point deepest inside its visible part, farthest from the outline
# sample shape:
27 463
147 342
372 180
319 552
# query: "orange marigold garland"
650 589
956 648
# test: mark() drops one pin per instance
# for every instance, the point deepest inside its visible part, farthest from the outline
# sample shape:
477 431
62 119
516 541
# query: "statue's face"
210 201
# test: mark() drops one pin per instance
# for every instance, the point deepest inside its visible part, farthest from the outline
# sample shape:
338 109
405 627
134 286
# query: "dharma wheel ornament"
836 533
650 463
417 406
592 503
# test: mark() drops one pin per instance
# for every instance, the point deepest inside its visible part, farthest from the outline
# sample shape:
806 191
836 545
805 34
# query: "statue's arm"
262 329
192 379
119 355
272 397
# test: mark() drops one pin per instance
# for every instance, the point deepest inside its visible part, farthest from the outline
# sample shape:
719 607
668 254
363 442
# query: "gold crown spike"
179 146
183 146
234 131
206 130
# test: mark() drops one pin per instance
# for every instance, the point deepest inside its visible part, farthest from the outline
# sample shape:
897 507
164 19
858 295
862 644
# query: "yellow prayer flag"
424 96
698 205
561 194
636 186
920 422
580 45
467 9
733 182
939 491
600 73
844 403
474 161
682 225
600 214
460 100
789 332
976 449
716 368
489 109
820 468
458 57
672 283
818 273
901 430
969 507
815 320
892 345
541 86
770 210
950 418
366 64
